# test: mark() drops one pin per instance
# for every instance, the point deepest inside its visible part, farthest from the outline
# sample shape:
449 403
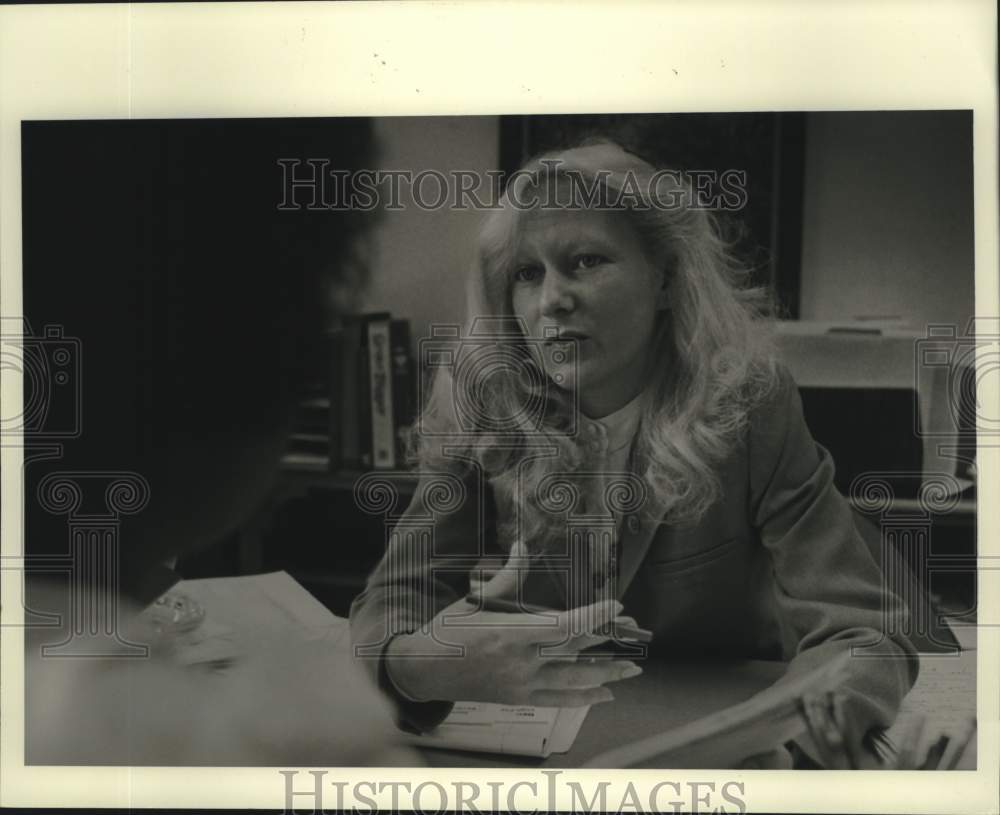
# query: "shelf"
344 479
965 510
326 578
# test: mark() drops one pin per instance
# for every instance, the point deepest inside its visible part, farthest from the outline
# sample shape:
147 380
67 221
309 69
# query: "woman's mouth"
566 338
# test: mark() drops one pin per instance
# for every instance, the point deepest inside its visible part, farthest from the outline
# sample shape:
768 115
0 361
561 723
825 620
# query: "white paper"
509 729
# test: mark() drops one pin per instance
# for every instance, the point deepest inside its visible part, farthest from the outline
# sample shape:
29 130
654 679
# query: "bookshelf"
356 412
352 419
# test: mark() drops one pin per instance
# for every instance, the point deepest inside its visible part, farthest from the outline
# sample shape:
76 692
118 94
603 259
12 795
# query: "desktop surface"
666 695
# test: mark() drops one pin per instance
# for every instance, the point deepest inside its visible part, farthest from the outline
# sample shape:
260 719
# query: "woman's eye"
527 274
589 260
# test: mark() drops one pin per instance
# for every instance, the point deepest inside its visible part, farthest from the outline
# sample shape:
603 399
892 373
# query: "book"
403 386
305 461
317 443
308 445
358 413
521 730
311 415
349 381
381 435
334 419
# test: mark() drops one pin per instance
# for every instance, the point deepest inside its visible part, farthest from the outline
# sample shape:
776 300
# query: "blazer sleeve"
424 570
829 591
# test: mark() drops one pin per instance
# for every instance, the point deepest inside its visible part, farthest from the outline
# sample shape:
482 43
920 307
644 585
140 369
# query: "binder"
380 435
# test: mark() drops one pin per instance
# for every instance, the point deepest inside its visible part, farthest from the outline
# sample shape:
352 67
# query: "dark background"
148 242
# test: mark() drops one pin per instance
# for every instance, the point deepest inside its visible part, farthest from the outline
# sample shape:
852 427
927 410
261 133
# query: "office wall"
887 220
419 258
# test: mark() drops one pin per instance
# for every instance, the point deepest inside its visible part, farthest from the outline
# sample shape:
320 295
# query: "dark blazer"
775 569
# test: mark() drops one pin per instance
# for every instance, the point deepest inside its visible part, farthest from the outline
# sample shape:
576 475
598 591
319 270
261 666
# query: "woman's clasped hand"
512 658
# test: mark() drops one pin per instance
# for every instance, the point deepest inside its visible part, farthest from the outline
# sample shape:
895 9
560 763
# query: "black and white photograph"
620 464
619 444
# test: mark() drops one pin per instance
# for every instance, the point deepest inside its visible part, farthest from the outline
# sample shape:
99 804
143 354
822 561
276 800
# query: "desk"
669 695
665 696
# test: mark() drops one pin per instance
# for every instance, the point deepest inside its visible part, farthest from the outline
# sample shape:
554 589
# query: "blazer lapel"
638 530
636 534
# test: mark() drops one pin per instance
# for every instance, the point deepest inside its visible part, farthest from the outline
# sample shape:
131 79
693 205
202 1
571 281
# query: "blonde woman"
617 434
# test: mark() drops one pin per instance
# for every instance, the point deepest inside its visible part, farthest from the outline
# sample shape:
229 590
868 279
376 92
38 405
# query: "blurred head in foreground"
200 308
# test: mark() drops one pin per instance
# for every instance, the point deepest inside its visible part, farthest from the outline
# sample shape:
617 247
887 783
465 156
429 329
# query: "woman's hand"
838 744
486 656
922 745
837 738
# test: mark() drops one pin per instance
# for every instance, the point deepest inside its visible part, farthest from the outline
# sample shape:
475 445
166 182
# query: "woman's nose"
556 295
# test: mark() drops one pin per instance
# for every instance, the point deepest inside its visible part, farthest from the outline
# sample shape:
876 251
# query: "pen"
625 632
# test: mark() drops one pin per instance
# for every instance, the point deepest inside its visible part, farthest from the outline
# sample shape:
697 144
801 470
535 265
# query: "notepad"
942 702
520 730
240 611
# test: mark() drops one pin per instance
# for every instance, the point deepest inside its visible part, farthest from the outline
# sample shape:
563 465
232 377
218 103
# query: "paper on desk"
945 690
941 702
241 610
522 730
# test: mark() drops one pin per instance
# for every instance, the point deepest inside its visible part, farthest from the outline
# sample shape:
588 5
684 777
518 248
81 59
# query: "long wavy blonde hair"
713 358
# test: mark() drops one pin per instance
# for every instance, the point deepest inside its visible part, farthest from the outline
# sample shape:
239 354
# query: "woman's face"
583 274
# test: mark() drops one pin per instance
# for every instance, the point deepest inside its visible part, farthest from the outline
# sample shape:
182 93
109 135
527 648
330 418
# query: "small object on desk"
520 730
624 632
176 622
175 613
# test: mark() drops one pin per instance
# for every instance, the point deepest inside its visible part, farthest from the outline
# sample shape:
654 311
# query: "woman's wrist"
398 667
